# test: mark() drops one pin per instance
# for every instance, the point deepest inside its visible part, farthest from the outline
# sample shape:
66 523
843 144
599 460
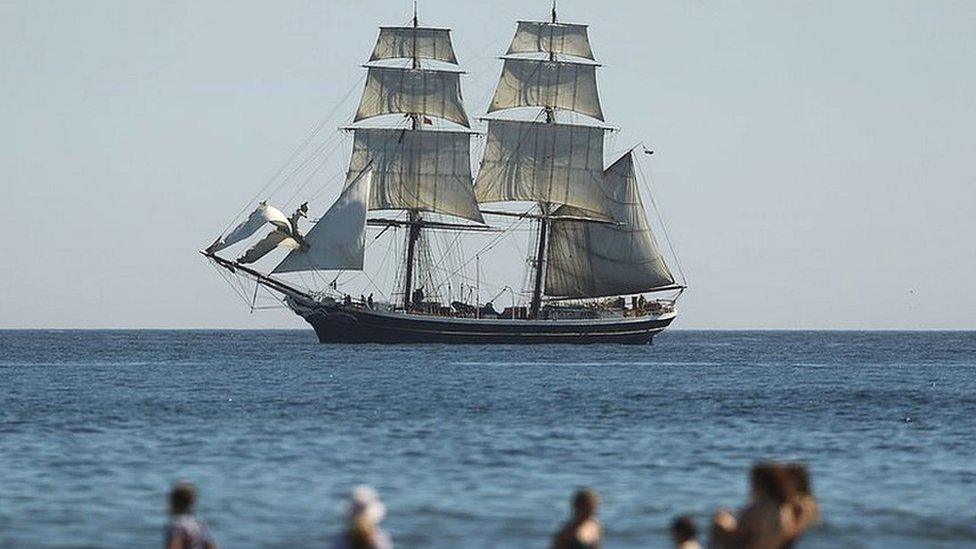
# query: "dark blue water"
479 446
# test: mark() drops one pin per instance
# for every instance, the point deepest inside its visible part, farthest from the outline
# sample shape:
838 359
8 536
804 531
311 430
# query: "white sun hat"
365 503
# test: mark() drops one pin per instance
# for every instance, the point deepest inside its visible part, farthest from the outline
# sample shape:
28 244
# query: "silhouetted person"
347 300
685 533
806 510
184 531
369 300
366 511
582 530
767 521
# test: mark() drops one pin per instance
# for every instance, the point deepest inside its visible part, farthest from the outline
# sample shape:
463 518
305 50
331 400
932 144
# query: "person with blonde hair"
365 512
582 530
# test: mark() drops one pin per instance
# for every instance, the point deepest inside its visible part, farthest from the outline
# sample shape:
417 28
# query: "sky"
814 160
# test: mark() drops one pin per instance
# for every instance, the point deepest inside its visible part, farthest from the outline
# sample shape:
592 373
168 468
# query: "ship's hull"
353 324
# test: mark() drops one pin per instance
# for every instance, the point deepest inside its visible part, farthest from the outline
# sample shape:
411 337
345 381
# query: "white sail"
337 240
427 92
588 259
558 85
427 170
545 163
276 238
409 42
263 214
558 38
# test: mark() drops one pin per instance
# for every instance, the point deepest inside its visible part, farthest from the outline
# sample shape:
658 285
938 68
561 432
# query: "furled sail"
408 42
545 37
264 213
588 259
544 163
336 241
553 84
427 170
418 91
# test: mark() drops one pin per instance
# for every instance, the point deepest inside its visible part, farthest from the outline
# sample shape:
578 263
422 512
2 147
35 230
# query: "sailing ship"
594 263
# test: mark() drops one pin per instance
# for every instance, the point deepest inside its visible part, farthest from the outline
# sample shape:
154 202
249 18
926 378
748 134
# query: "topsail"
549 84
392 90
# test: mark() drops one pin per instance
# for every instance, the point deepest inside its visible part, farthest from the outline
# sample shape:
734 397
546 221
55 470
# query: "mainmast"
545 161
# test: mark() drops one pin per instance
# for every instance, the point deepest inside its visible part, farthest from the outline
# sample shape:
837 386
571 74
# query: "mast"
413 215
544 207
415 169
549 65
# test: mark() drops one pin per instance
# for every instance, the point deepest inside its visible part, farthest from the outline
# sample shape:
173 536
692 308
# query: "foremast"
416 169
544 208
413 214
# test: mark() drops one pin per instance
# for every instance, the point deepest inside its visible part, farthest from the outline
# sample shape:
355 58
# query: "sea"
480 446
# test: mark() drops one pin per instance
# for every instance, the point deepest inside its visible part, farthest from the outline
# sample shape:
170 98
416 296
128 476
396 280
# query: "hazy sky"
815 160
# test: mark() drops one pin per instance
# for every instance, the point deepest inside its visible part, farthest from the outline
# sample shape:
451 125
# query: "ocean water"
475 446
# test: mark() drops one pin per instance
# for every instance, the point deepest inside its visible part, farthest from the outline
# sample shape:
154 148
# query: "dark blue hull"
353 324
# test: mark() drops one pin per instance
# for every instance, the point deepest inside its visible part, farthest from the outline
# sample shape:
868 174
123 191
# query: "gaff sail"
598 259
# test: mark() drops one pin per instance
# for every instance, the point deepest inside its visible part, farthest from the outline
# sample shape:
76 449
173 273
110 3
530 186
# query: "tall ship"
545 244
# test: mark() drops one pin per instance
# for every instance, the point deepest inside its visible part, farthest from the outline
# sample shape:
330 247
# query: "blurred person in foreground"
366 511
806 510
768 521
184 530
685 533
582 530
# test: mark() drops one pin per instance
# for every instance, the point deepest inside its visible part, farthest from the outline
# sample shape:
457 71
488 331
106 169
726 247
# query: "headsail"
597 260
336 241
274 239
545 37
264 213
